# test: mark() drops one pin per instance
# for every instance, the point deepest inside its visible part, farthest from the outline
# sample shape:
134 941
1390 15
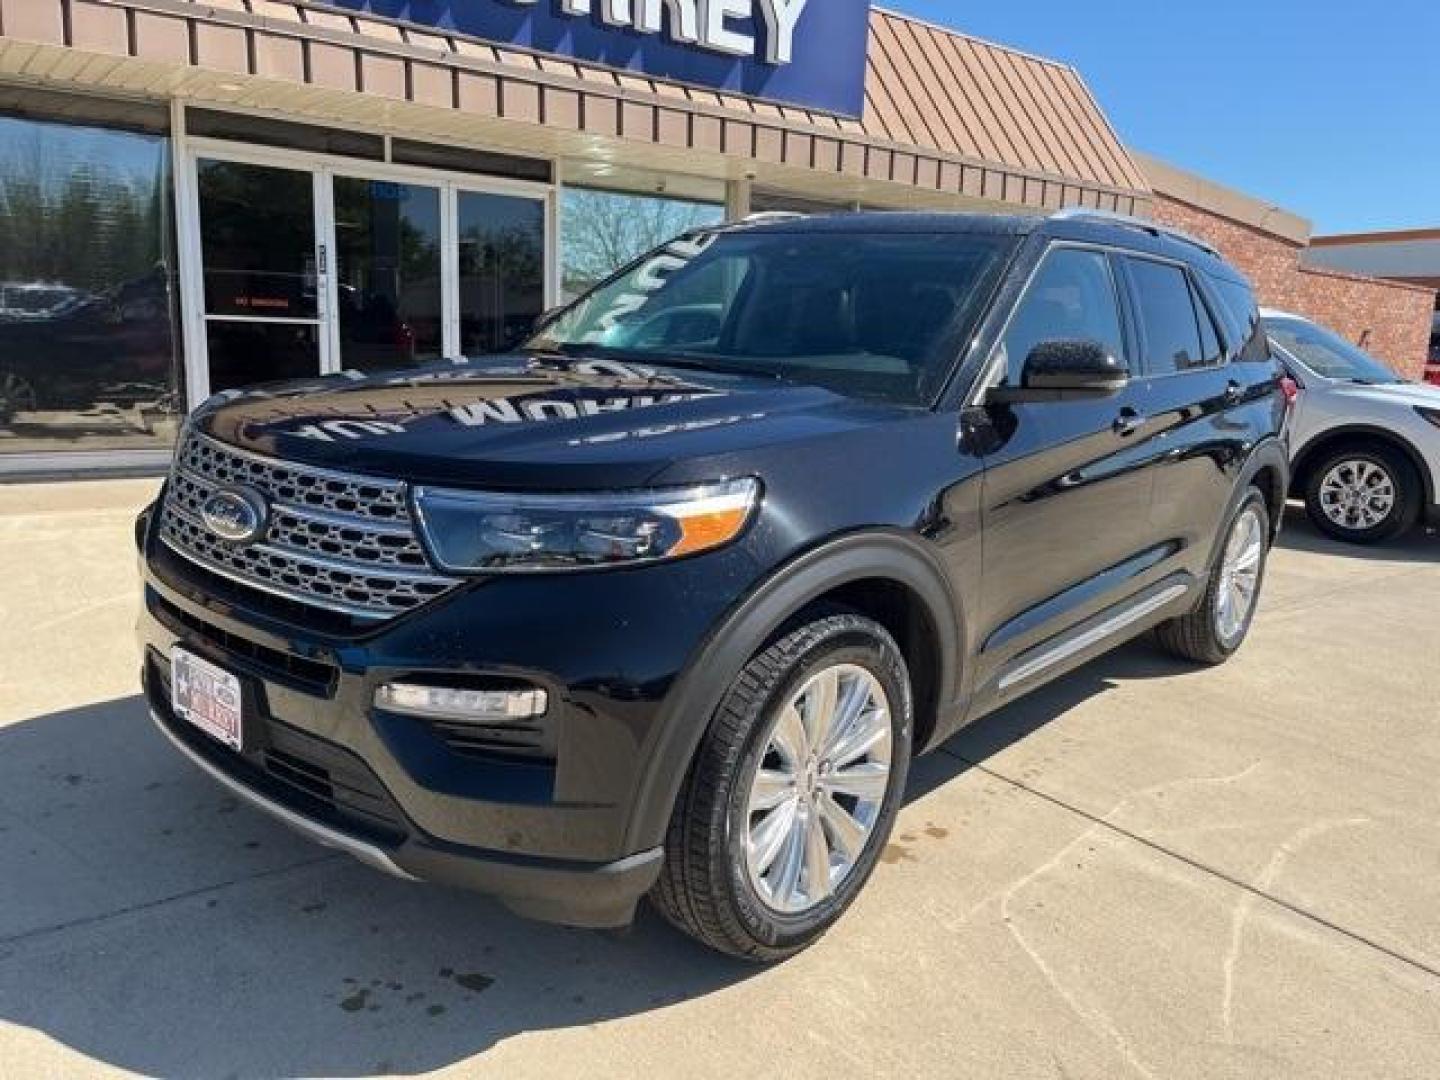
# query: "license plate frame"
208 697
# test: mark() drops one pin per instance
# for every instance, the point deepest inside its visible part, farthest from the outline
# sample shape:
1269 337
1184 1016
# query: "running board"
1106 625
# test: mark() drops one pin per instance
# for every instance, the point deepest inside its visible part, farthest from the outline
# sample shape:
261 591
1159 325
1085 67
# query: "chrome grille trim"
337 564
336 541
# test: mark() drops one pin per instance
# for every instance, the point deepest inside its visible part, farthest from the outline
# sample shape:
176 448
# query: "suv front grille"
334 541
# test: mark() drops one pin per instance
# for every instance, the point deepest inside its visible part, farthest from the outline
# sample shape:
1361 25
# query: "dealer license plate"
208 697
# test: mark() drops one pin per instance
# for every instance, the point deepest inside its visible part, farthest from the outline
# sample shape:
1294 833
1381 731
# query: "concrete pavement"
1144 870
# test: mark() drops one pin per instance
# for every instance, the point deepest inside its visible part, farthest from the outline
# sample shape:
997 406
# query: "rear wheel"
1363 494
1215 630
793 793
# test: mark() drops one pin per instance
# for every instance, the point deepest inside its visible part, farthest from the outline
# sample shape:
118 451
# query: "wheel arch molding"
1267 455
883 555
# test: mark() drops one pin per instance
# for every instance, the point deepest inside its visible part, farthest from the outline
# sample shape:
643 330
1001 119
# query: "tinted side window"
1169 330
1072 298
1212 352
1241 318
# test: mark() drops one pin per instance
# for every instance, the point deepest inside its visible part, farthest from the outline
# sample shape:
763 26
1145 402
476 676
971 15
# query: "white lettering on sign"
684 21
707 24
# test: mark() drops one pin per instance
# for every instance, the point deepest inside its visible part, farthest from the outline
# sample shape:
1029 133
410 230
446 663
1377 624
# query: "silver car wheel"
819 788
1240 576
1358 494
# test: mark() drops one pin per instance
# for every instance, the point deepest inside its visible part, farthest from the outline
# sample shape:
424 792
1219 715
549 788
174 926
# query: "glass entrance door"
389 283
263 314
308 266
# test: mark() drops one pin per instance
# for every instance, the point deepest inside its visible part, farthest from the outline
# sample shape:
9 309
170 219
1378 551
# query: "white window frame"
189 151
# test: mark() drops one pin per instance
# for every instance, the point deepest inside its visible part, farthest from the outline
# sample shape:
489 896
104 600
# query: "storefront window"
88 357
601 231
502 269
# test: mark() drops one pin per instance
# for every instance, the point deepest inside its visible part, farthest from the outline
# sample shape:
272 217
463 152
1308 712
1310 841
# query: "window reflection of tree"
502 271
601 231
87 348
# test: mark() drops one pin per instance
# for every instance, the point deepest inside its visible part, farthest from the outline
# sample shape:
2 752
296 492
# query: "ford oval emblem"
238 515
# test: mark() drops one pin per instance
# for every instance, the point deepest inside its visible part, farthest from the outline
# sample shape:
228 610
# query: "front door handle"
1128 423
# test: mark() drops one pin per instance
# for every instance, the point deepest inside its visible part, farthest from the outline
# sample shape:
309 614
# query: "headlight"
479 532
1432 415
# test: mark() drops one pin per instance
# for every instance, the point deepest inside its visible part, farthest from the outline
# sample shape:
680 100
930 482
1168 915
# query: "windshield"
871 315
1327 354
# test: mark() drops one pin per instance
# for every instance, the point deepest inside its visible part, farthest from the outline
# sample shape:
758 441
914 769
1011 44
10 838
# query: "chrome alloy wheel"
1240 575
819 788
1357 494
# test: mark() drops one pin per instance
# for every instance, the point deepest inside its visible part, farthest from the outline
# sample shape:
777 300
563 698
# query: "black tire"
1404 512
705 888
1197 636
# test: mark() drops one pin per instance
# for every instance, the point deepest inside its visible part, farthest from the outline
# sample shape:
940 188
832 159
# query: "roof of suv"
1131 234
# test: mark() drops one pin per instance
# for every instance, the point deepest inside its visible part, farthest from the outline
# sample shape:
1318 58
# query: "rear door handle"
1128 423
1234 393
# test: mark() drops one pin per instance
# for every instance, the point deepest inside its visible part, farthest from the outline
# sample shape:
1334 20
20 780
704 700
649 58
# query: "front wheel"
793 793
1215 630
1363 495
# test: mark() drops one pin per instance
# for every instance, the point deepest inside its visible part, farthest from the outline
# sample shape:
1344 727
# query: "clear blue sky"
1329 109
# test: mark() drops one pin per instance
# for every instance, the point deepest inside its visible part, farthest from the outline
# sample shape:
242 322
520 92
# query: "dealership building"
195 196
1406 256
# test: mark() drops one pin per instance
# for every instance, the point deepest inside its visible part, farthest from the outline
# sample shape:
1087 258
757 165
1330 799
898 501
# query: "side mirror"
1066 371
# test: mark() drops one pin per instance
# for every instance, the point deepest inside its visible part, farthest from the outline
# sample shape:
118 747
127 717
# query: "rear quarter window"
1169 324
1241 316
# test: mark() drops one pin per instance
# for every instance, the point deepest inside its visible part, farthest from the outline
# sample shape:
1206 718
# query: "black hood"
529 422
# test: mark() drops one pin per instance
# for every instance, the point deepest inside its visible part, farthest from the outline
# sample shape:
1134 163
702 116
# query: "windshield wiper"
689 362
683 361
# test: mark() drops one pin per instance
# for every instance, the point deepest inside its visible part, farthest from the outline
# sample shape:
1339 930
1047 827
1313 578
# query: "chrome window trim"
1195 291
987 379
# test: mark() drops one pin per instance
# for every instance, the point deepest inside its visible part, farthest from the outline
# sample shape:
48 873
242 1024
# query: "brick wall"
1270 262
1389 319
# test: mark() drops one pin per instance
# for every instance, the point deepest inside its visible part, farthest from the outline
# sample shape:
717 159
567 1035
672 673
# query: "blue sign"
807 53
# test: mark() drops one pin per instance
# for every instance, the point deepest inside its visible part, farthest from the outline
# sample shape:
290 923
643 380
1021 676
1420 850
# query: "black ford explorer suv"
665 601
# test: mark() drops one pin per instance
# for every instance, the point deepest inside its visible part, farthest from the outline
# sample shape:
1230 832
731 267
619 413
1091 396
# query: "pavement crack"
26 937
1090 1015
1240 915
1259 891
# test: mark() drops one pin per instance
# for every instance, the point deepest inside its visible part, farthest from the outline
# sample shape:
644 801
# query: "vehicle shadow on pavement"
1420 545
150 921
985 738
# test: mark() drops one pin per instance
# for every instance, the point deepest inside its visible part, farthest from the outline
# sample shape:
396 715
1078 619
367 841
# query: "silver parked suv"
1365 443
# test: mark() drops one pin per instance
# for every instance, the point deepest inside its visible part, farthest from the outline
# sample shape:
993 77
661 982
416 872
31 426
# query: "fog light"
443 702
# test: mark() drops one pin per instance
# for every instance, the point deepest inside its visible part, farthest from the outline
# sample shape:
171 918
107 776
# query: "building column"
737 199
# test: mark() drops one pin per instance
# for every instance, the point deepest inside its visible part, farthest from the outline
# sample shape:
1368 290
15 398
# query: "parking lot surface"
1144 870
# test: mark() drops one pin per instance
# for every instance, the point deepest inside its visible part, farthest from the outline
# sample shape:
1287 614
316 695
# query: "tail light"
1291 389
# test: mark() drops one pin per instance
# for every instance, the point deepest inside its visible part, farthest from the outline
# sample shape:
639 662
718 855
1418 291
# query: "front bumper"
551 890
550 838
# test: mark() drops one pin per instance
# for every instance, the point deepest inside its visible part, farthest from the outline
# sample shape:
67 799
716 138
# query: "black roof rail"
1154 228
